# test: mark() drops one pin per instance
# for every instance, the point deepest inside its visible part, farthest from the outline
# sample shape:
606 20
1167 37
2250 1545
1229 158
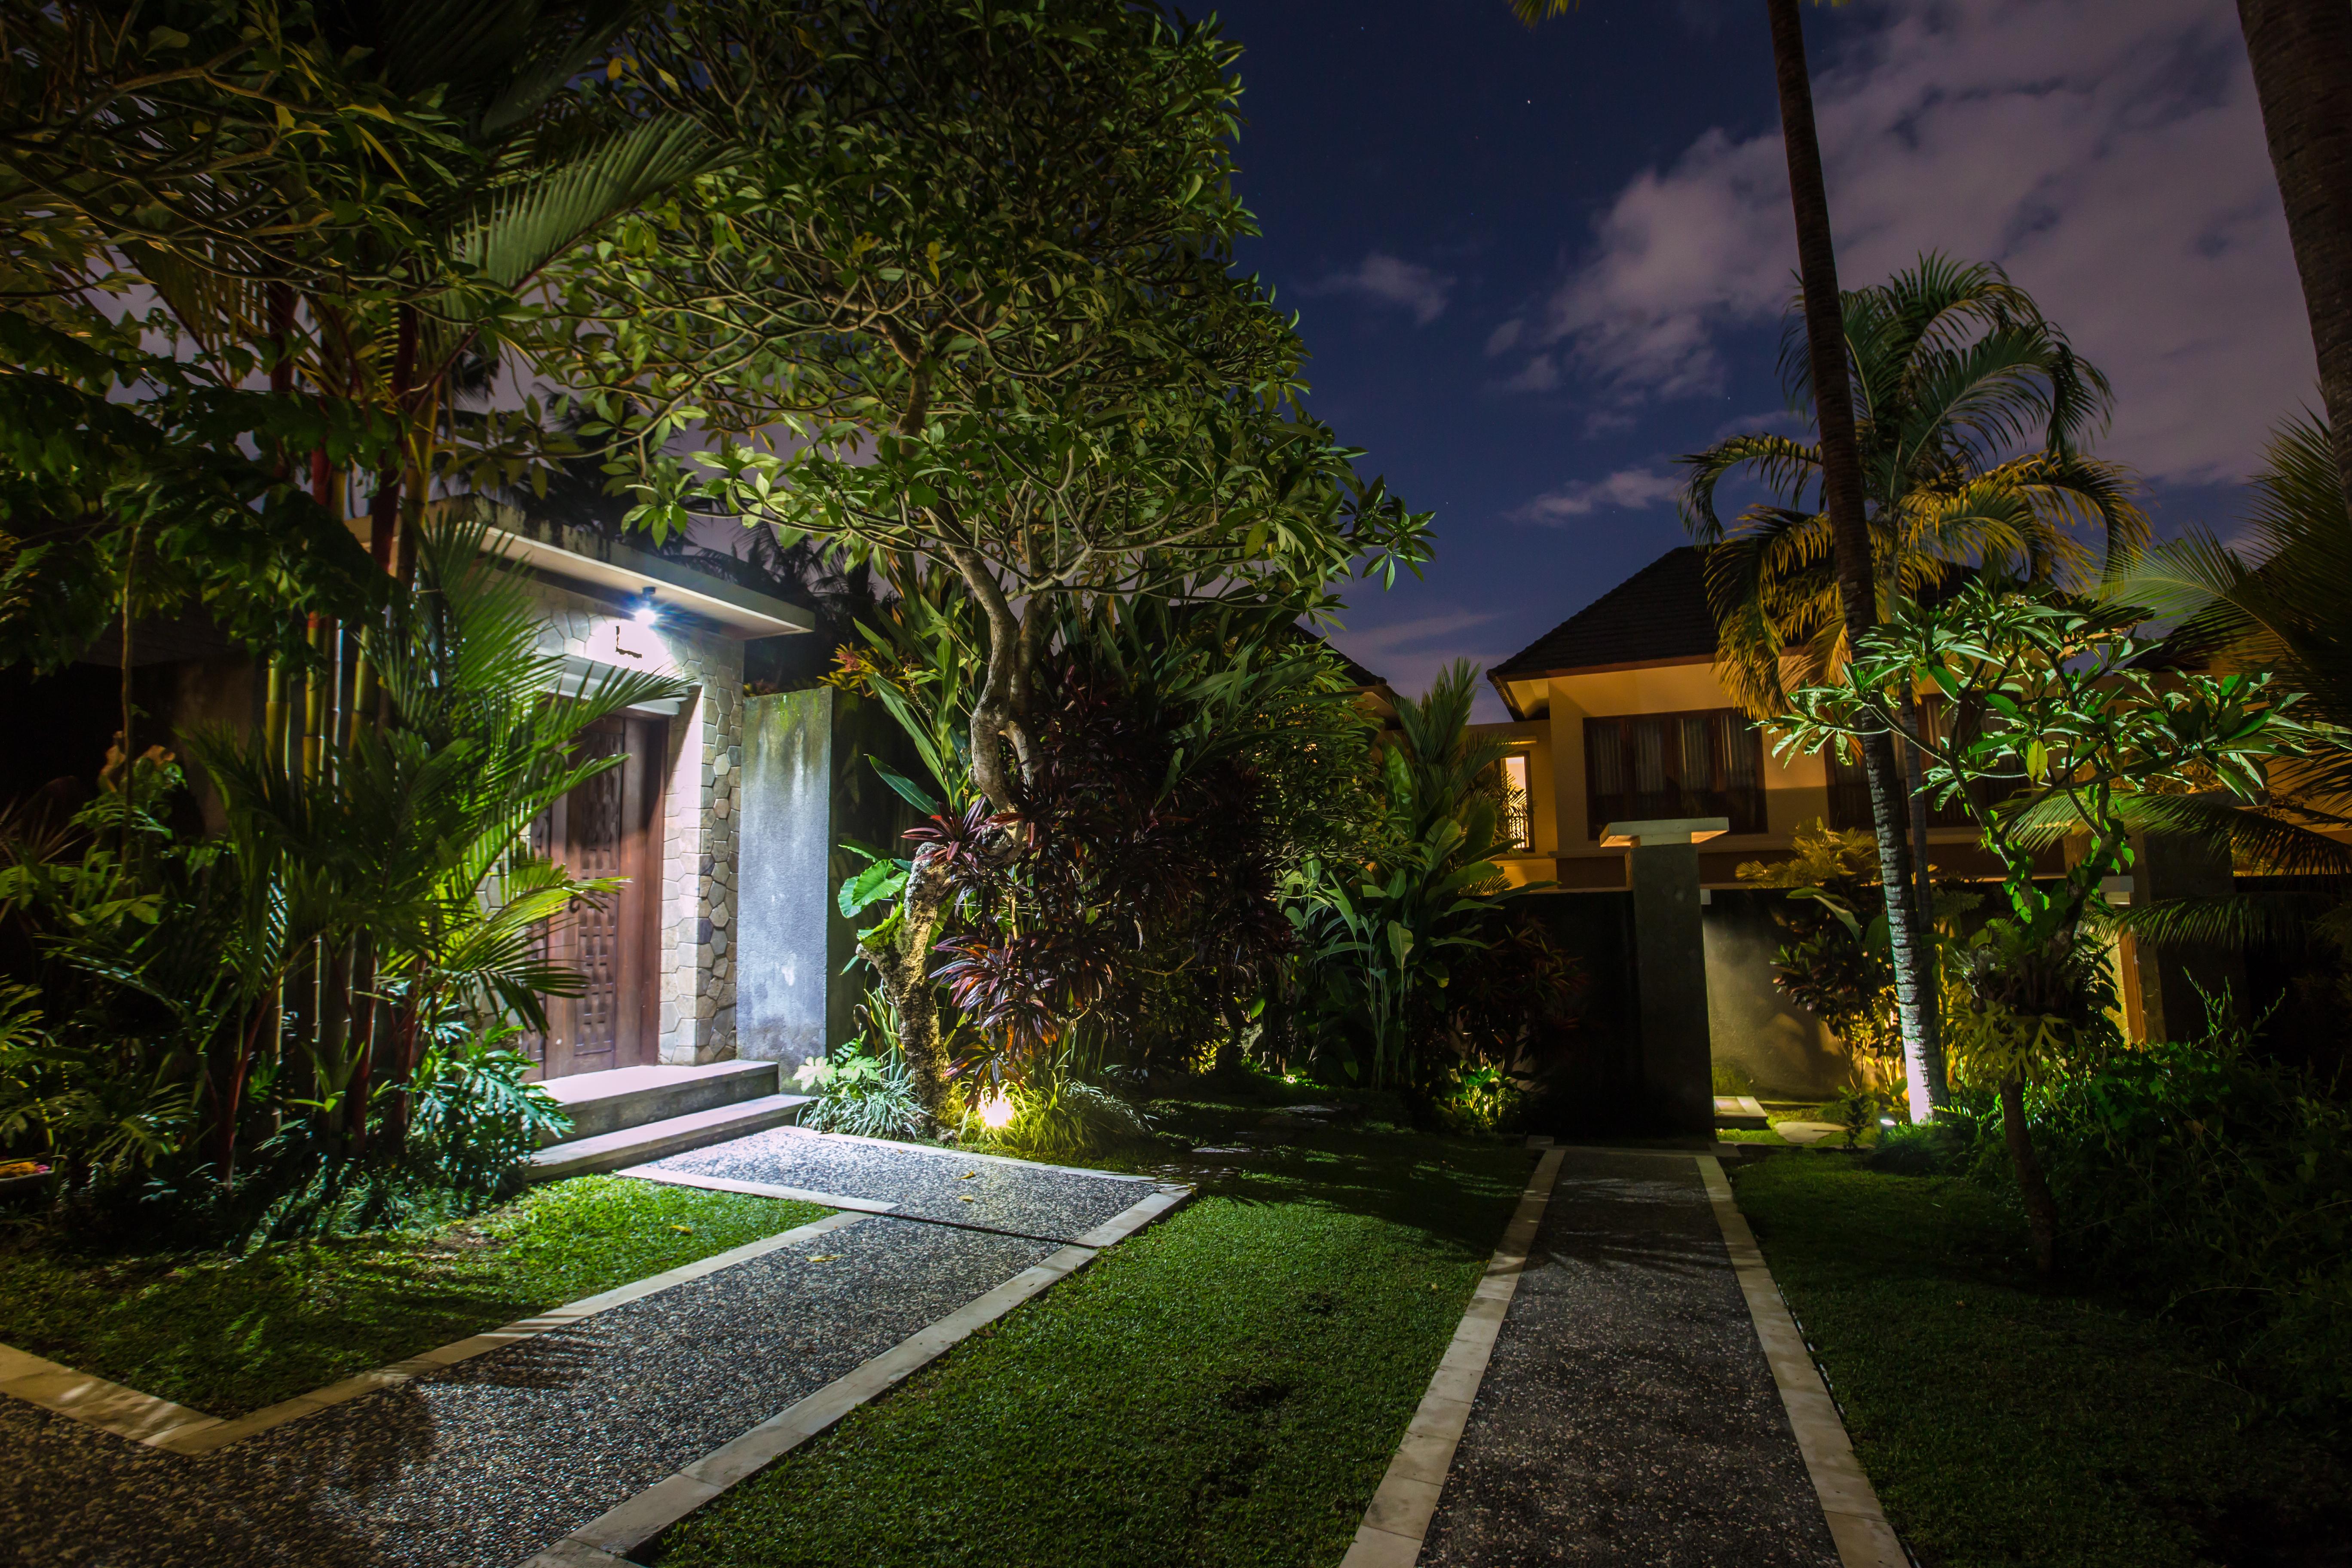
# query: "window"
1513 826
1663 765
1850 785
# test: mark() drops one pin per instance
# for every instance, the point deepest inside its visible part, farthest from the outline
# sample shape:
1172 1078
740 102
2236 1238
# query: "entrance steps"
631 1115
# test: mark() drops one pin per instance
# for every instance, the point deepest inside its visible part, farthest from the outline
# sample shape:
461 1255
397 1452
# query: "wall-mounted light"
647 612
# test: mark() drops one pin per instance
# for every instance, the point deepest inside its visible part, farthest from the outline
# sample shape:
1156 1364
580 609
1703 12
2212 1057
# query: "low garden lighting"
996 1110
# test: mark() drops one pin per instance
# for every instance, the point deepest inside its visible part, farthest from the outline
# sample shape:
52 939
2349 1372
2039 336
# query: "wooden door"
606 828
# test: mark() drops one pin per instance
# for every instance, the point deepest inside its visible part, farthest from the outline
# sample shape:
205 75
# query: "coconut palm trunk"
1842 498
2302 53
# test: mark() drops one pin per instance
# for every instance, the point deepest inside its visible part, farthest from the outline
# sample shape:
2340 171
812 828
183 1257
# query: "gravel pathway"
929 1183
1629 1416
485 1464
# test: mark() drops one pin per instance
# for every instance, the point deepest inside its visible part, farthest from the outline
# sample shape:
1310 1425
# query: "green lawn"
2008 1425
1225 1388
229 1335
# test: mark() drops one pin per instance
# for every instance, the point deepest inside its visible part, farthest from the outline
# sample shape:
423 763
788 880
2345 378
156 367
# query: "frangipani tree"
962 297
2058 734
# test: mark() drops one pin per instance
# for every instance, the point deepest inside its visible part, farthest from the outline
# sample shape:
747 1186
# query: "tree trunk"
1923 879
2302 53
998 714
1850 539
2032 1186
906 975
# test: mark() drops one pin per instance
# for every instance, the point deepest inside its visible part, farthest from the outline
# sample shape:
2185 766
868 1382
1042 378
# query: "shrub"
1062 1118
1486 1100
1949 1143
2222 1180
870 1094
473 1119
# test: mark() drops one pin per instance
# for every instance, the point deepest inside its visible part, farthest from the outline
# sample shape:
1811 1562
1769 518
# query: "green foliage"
2220 1181
474 1119
399 861
1485 1099
1855 1111
2057 730
1059 1117
861 1089
1385 935
1955 370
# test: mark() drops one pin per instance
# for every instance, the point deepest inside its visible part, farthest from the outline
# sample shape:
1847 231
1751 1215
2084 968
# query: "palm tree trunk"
1850 539
2302 53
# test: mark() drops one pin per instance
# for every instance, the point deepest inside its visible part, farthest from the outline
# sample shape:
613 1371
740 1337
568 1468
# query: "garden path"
488 1462
1629 1414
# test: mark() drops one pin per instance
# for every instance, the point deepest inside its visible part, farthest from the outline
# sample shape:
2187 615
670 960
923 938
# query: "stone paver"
1042 1201
492 1460
1628 1415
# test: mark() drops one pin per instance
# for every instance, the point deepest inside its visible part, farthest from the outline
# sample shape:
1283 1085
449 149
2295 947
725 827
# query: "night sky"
1533 266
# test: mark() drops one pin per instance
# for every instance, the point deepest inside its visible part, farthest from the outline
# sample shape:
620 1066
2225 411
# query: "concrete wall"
1762 1042
785 910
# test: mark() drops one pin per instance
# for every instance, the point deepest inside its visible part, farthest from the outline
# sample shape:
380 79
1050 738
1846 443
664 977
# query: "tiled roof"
1660 612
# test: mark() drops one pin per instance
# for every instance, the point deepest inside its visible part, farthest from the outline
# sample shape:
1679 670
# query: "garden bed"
1227 1387
229 1335
2007 1423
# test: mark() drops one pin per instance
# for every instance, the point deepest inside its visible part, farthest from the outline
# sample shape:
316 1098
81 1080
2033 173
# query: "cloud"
1540 373
1385 281
1627 489
1502 339
2110 157
1410 654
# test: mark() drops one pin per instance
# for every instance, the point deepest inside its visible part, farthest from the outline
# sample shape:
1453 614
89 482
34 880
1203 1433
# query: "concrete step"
601 1103
657 1140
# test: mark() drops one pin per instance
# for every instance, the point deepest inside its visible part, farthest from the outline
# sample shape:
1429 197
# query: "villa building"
1617 715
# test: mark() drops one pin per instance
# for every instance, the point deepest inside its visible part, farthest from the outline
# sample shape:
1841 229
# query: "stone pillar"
1670 959
785 887
2177 868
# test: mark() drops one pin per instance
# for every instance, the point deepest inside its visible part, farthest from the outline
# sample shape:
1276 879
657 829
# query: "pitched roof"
1660 612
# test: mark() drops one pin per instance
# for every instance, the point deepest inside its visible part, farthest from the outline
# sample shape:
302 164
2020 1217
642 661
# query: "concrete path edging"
1857 1524
1398 1520
603 1541
177 1429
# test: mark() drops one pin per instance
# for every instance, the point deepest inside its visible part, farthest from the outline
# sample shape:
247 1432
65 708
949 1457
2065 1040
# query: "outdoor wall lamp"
647 612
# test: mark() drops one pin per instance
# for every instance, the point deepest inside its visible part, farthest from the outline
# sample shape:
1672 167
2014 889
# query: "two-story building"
1617 715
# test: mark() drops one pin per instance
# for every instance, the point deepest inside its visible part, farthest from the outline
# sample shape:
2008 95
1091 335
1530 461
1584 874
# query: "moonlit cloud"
1410 654
1384 280
1628 489
2111 158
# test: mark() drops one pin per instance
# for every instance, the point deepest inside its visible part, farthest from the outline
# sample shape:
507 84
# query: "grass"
1226 1388
231 1334
2007 1423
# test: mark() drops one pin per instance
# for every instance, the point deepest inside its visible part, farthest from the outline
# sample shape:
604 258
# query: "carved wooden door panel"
606 828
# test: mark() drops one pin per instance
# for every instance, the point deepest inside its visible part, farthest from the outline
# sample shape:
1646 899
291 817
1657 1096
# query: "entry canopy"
1665 830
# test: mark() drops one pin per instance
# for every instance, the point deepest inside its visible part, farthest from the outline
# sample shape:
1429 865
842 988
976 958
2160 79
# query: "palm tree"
1956 368
1849 531
2276 603
2301 51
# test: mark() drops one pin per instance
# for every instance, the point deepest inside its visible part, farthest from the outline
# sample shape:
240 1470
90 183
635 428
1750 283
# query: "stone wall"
698 836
